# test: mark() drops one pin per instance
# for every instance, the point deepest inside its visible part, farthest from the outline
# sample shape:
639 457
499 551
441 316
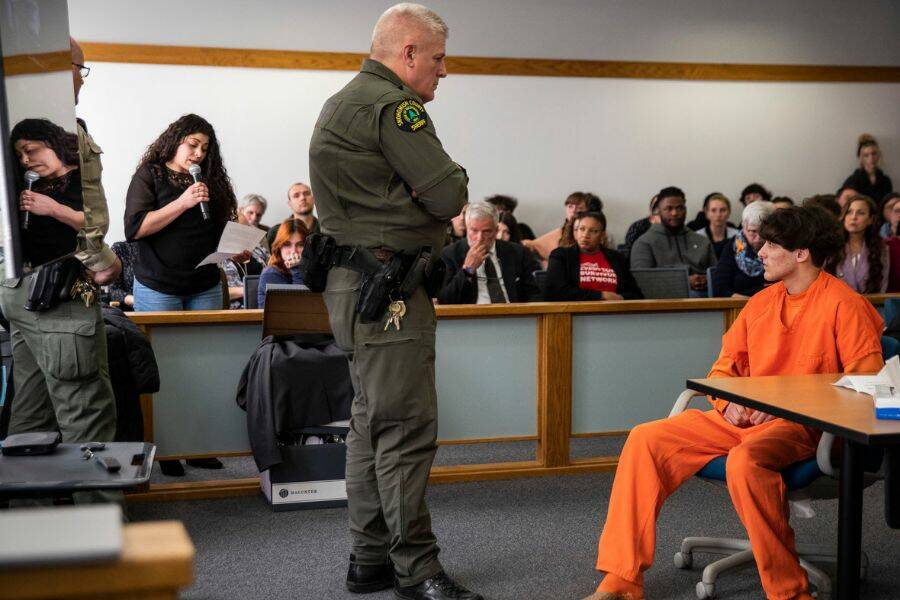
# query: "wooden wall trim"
30 64
483 65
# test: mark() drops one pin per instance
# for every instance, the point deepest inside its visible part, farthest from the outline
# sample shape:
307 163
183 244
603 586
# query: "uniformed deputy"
59 355
384 182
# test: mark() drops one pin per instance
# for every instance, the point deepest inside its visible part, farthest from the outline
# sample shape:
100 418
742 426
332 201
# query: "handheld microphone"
30 178
195 171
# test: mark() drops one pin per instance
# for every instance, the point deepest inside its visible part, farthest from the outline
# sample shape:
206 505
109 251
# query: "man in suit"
484 270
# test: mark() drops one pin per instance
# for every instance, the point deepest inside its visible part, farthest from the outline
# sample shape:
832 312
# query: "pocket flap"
55 325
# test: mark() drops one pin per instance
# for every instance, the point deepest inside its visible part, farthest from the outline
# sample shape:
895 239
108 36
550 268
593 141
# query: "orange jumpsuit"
829 328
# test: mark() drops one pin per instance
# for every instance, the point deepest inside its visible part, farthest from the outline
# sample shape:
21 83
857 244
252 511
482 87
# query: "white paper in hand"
235 239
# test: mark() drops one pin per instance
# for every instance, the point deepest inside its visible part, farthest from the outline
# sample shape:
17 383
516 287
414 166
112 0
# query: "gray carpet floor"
522 539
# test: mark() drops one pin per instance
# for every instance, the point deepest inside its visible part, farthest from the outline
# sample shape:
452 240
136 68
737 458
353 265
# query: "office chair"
812 479
251 287
540 279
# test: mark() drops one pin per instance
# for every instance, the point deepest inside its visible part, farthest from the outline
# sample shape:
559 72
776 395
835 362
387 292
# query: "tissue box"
887 408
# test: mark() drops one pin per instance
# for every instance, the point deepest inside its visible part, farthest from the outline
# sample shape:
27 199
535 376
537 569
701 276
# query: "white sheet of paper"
235 239
865 384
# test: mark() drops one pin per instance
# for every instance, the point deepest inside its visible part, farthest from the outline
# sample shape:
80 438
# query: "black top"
728 278
564 276
124 285
167 260
636 230
516 266
860 182
46 238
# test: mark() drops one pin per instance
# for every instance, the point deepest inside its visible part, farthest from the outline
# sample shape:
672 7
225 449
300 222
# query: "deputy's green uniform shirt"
372 146
92 250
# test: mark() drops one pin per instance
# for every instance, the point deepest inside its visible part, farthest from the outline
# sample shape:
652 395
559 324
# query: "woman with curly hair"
54 203
162 215
863 262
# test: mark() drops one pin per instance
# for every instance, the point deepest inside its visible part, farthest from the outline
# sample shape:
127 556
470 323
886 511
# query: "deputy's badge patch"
410 116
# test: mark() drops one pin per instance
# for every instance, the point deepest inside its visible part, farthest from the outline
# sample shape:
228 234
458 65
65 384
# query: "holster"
53 284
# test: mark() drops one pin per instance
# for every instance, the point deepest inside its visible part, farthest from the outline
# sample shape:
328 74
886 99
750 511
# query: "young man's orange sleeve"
734 359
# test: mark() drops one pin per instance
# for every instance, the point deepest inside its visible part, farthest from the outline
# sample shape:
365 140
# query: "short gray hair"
383 35
756 212
253 199
477 211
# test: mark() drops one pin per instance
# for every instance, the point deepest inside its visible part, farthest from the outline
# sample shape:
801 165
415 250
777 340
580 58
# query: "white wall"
535 138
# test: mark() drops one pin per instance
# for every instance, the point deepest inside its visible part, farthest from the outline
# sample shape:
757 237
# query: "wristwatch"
469 271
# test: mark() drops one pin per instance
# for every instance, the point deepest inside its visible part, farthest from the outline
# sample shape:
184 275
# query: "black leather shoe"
439 587
205 463
365 579
171 468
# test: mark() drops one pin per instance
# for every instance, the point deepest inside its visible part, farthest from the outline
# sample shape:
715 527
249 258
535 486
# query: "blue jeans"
146 299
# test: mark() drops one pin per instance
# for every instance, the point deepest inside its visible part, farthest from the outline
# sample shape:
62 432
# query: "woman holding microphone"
176 221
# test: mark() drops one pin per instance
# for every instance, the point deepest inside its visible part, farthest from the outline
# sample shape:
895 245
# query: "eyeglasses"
82 70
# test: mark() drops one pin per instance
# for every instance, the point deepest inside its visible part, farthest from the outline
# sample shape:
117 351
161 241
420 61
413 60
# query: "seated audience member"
701 221
238 267
484 270
893 245
251 211
589 270
576 202
844 194
640 227
716 210
739 272
780 202
869 180
593 204
284 262
121 291
671 244
506 205
863 262
301 202
754 192
456 229
827 201
806 312
508 229
888 225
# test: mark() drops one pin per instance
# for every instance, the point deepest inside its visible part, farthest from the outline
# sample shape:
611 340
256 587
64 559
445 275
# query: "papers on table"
235 239
884 388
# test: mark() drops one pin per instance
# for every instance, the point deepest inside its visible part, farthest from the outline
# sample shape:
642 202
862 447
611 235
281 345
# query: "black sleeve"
560 287
459 287
528 288
139 200
725 272
627 286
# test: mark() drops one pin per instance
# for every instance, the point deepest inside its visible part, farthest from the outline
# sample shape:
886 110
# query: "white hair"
477 211
756 212
253 199
385 35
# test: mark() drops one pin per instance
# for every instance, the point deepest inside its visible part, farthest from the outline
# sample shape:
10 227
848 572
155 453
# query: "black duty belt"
363 260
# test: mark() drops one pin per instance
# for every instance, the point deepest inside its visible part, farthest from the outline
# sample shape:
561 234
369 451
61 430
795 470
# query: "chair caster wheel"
705 590
684 560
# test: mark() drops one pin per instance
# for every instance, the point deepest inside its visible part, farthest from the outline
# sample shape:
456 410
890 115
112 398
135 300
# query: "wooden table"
812 400
157 560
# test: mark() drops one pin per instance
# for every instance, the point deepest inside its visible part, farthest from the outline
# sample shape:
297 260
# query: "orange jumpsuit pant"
659 456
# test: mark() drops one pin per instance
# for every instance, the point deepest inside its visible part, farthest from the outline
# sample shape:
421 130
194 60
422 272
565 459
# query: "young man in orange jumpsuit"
808 322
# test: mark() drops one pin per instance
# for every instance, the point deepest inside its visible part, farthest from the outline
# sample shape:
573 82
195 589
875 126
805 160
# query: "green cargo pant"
61 372
393 430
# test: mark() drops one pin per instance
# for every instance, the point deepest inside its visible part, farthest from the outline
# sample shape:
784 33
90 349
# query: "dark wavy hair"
515 236
63 143
221 195
874 245
809 226
755 188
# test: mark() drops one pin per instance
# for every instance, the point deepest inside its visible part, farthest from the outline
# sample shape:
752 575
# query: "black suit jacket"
516 266
564 274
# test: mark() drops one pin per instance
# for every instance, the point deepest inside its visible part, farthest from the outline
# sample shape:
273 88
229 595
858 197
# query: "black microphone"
30 178
195 171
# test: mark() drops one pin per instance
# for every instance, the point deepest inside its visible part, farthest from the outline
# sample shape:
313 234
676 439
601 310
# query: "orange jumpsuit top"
829 328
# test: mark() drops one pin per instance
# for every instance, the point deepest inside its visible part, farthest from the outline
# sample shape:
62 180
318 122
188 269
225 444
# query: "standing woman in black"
869 180
163 215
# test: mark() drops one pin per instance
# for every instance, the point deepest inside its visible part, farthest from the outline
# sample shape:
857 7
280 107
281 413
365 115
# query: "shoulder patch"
410 116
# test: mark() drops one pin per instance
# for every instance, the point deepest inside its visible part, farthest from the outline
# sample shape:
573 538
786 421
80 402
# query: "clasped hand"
475 256
37 204
741 416
194 195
